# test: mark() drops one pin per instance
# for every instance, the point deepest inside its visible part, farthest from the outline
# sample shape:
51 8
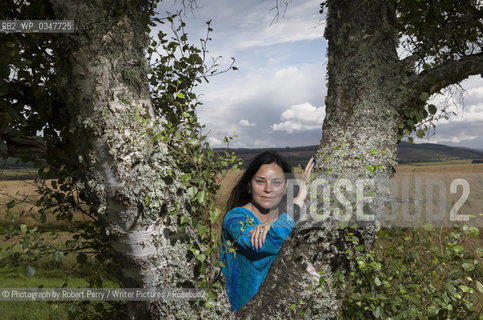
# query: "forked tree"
92 121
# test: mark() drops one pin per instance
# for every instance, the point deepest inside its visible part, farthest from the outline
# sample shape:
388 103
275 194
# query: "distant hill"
407 153
11 163
429 152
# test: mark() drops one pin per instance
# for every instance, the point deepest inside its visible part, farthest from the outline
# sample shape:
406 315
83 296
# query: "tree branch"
451 72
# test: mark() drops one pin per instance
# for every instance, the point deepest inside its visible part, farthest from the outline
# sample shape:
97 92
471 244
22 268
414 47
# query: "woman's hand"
259 234
303 191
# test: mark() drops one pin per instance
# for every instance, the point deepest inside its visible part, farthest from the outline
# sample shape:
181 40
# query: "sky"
276 97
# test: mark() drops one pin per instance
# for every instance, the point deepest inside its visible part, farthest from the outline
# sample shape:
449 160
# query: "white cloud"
301 117
282 65
246 123
214 142
288 30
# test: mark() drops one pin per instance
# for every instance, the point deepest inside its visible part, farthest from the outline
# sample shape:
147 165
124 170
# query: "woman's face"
267 186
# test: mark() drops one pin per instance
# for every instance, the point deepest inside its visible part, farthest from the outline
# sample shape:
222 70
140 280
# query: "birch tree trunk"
132 182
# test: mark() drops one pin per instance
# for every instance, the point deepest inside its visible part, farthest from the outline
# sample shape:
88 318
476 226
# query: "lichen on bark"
131 181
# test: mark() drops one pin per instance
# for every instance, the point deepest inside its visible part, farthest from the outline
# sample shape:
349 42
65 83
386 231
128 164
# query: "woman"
257 224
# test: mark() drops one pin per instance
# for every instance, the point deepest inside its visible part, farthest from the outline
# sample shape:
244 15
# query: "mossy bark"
365 89
103 74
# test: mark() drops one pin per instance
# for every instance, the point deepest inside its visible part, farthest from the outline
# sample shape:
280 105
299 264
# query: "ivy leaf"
192 191
202 197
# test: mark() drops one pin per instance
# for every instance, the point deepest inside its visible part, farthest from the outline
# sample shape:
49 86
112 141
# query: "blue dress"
246 269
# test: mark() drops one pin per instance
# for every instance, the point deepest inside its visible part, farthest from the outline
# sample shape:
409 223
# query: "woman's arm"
238 227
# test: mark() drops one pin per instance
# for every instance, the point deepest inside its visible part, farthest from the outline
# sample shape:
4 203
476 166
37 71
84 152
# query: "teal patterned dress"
246 269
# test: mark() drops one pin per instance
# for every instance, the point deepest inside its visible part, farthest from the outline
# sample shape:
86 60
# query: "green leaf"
11 204
192 191
202 230
465 288
377 281
474 232
23 228
81 258
202 197
370 168
420 133
468 266
457 248
183 220
147 201
479 286
58 255
210 303
432 109
343 224
214 214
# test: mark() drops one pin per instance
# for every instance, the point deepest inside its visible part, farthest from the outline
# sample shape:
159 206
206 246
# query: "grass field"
50 273
440 163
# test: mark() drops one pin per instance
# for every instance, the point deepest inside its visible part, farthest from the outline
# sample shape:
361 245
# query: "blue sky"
276 98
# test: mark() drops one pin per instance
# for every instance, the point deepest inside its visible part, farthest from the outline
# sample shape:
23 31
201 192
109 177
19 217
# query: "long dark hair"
240 196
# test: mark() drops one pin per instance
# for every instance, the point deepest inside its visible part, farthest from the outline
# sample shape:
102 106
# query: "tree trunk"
132 182
359 142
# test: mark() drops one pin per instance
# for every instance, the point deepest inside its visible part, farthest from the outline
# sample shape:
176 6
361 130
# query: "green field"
18 173
439 163
48 273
